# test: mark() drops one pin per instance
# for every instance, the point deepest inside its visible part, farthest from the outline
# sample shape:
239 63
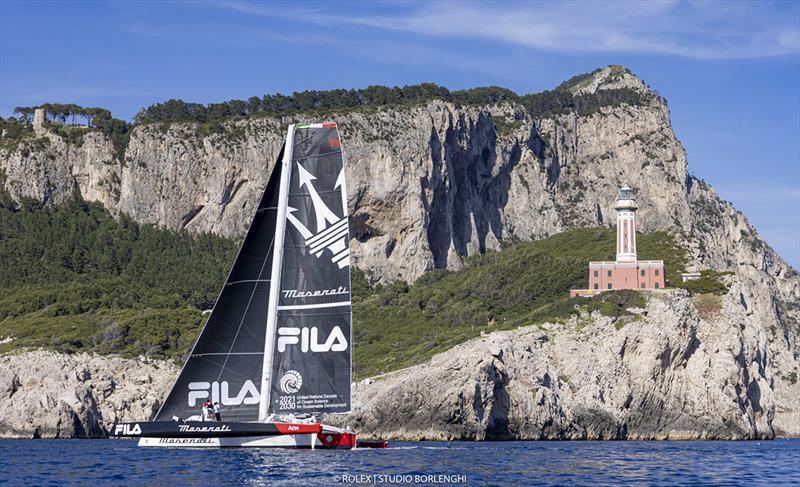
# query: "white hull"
274 441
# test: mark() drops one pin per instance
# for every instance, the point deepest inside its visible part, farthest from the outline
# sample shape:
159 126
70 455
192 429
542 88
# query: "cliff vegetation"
73 278
62 118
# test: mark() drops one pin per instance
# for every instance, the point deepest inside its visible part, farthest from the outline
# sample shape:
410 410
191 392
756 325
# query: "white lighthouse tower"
626 225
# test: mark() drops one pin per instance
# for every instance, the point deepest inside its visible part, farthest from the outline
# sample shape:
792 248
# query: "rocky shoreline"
52 395
670 372
678 369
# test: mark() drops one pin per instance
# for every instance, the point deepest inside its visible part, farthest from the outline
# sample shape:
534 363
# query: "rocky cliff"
52 395
434 183
680 368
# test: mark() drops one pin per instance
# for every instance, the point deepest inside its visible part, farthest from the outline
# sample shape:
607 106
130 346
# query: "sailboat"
277 348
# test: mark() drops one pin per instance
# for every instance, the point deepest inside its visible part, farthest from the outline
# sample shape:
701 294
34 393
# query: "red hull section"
372 444
337 440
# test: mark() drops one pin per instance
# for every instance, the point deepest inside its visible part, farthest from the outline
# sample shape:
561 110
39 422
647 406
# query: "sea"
556 463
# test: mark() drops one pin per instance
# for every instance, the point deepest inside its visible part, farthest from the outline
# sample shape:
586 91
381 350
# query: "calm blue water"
121 462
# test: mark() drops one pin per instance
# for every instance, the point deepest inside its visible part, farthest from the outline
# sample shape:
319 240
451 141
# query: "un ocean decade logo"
331 230
291 382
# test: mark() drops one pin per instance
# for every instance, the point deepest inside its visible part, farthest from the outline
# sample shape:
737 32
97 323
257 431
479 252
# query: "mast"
275 276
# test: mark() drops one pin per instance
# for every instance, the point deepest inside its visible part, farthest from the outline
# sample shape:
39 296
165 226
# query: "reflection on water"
58 462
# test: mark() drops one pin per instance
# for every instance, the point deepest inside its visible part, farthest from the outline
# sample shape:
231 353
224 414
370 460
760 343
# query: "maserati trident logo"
331 231
291 382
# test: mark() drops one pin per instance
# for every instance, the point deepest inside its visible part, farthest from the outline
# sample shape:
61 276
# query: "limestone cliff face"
428 185
51 395
432 184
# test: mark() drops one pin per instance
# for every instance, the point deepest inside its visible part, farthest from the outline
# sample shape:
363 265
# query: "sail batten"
313 306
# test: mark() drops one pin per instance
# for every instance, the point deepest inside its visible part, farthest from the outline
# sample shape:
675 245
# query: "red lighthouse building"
626 272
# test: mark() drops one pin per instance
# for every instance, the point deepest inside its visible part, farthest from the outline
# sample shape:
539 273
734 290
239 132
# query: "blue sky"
730 71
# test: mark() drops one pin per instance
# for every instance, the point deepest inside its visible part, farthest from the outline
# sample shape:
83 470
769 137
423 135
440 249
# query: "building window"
609 285
642 272
595 273
656 272
656 285
595 285
609 273
641 285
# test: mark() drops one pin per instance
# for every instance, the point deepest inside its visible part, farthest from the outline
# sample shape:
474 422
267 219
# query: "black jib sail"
225 364
311 355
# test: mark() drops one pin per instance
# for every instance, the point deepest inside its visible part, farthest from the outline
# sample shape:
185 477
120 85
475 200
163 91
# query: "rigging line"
244 315
246 280
223 353
322 313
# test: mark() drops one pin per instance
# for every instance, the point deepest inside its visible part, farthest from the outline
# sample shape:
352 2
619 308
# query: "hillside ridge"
434 184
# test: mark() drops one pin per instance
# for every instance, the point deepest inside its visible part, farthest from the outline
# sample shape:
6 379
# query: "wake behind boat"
271 357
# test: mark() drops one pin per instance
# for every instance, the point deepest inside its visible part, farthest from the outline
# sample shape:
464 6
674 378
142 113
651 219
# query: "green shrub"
317 103
67 273
709 282
708 304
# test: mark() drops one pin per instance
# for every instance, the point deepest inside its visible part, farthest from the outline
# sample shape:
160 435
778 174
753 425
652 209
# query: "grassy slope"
525 283
73 278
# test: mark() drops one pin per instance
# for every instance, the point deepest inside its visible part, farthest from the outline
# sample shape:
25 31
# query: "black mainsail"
225 364
309 361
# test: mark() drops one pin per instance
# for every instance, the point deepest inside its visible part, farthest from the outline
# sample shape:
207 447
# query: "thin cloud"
704 30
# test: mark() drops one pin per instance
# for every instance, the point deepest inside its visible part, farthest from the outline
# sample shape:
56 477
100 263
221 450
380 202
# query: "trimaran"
277 348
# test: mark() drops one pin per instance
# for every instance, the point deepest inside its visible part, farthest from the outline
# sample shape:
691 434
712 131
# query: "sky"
729 70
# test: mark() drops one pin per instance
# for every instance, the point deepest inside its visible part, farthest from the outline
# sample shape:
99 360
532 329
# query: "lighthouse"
627 272
626 225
